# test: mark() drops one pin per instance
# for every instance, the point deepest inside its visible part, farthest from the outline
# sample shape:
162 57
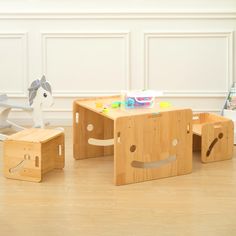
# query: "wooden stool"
213 135
31 153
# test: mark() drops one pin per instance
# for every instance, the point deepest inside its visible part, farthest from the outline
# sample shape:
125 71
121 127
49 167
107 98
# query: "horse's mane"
35 85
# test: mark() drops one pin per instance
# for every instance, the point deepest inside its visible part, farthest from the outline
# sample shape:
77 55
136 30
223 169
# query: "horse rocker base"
213 135
31 153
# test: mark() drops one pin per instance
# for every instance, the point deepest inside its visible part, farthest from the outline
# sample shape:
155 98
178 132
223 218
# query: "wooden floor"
82 200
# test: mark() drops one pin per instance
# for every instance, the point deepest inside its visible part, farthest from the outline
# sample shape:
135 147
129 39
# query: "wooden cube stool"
31 153
213 135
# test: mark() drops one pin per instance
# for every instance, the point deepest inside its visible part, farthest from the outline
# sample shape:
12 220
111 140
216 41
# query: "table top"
114 113
35 135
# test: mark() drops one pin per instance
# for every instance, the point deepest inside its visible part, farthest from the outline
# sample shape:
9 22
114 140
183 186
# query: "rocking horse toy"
40 96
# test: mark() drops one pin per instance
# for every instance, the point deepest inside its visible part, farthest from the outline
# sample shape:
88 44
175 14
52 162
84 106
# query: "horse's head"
40 93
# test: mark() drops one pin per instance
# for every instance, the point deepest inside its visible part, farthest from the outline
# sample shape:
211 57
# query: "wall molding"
228 15
200 34
94 34
23 36
194 94
84 94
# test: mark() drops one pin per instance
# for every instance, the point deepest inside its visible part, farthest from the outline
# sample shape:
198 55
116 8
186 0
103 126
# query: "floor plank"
82 200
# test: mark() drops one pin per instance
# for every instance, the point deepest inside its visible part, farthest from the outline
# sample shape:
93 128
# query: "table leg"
90 133
108 134
87 125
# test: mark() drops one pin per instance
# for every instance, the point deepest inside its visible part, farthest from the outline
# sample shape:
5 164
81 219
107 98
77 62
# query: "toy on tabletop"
130 102
105 110
165 104
116 104
99 104
106 107
139 99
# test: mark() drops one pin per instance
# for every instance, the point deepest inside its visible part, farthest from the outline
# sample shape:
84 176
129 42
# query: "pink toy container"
139 99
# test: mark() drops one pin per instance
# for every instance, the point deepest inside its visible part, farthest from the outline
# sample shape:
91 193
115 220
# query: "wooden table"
147 143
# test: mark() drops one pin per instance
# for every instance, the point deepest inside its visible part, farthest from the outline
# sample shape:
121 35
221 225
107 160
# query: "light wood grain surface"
35 135
217 136
114 113
31 153
82 200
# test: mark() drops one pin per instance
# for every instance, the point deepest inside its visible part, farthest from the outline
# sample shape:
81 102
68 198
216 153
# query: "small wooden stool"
213 135
31 153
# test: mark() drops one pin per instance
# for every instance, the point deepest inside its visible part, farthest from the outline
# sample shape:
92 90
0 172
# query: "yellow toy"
165 104
99 105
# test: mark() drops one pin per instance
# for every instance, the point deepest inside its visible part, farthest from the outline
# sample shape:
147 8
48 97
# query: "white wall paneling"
189 53
91 63
13 63
195 64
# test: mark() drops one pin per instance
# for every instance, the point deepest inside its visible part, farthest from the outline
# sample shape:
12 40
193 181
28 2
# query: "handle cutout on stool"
59 150
196 118
90 127
153 164
36 161
118 137
188 128
77 117
18 167
101 142
220 136
132 148
27 157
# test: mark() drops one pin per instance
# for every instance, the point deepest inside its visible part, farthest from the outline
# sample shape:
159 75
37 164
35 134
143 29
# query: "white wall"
184 48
